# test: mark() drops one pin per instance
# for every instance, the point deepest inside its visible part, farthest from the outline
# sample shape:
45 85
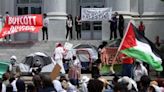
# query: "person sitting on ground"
36 68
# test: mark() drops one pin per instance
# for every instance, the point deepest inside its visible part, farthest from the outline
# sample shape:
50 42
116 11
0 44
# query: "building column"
56 11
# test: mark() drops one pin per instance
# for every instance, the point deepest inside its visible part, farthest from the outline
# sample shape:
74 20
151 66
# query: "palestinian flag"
136 45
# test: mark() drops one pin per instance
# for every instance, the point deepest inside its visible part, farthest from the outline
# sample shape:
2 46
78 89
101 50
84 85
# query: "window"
89 1
35 1
36 10
86 26
28 1
22 1
97 25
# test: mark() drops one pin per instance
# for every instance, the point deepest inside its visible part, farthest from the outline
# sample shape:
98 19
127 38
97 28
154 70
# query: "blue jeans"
127 70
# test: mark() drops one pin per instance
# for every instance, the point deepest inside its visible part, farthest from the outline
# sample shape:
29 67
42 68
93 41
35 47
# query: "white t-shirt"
14 85
3 87
69 23
45 22
138 73
84 87
58 86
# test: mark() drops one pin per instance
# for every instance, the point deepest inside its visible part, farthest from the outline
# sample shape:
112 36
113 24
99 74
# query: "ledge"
57 15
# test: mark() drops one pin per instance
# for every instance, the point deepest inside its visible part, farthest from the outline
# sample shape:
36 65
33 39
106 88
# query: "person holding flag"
136 45
127 65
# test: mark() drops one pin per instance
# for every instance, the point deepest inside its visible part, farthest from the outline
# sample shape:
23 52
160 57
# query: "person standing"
45 26
121 25
69 24
141 28
139 70
113 26
14 69
74 71
100 47
59 55
78 26
7 38
127 65
96 66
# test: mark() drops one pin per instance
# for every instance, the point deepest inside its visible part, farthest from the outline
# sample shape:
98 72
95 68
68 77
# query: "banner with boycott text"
96 14
24 23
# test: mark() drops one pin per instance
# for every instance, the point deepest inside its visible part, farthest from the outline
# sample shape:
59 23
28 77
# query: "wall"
153 6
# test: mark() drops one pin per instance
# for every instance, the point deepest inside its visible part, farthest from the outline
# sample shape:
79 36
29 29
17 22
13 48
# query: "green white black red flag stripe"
136 45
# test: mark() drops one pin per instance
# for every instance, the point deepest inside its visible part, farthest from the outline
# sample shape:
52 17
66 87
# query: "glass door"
91 30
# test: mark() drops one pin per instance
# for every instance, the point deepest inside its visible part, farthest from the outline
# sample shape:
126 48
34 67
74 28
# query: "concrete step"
22 49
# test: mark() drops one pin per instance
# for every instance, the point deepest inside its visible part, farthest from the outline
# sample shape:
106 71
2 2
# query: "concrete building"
152 12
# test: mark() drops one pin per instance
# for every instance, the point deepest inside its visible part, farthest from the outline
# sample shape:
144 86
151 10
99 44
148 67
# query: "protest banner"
1 24
96 14
24 23
107 59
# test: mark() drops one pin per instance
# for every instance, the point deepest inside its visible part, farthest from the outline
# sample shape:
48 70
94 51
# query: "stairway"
21 49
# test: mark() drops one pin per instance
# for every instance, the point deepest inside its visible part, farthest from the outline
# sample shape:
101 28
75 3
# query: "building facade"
151 12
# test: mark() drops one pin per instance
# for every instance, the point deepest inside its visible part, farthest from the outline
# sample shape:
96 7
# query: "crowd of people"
43 83
134 79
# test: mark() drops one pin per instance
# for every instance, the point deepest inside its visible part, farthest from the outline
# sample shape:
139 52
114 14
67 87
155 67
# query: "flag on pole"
136 45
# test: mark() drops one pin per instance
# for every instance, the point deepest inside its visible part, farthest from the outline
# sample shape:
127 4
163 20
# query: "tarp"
96 14
4 65
23 23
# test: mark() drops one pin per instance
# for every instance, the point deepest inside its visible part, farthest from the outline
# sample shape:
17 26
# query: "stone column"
56 11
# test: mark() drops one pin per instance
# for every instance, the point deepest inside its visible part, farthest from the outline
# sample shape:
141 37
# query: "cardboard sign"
68 46
55 72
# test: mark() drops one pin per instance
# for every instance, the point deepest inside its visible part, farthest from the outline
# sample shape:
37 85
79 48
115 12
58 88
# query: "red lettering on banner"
25 23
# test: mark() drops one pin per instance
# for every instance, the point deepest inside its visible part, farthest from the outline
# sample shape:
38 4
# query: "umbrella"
43 58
